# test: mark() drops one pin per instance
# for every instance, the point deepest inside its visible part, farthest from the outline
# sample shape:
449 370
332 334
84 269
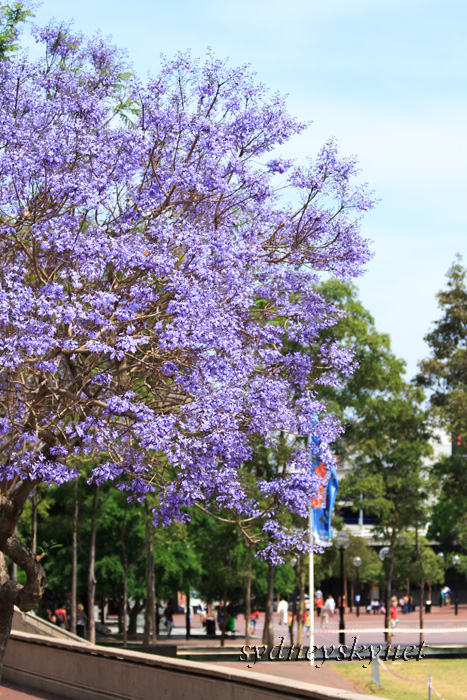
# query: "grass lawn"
449 678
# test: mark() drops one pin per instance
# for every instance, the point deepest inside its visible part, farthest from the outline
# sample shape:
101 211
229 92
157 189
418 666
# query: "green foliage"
222 557
378 372
445 372
449 520
11 16
370 568
178 565
394 438
405 555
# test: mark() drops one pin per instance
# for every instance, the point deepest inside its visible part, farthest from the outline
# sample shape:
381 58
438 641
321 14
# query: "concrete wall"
81 672
26 622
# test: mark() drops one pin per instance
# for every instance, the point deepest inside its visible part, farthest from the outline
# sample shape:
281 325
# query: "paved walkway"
9 691
440 629
301 671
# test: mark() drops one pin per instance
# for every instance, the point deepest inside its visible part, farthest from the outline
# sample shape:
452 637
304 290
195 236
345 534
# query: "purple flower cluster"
158 303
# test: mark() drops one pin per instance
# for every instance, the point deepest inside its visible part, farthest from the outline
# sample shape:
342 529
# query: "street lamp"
456 560
357 563
441 556
342 541
383 555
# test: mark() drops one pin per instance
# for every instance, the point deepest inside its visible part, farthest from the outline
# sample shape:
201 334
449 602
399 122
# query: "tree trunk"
34 501
301 604
150 628
387 617
14 565
6 608
187 615
11 593
91 570
74 565
120 617
133 617
248 595
268 631
224 618
125 604
125 577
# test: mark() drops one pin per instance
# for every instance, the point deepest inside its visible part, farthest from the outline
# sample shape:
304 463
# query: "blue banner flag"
322 515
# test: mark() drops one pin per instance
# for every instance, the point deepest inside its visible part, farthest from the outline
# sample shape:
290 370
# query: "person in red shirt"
60 615
319 602
253 620
393 613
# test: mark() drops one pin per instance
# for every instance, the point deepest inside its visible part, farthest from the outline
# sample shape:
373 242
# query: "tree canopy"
151 273
444 373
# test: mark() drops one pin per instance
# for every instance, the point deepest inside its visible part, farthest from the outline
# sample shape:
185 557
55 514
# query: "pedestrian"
51 617
81 621
253 620
169 619
61 617
283 609
393 613
319 602
446 593
230 622
324 616
307 620
330 604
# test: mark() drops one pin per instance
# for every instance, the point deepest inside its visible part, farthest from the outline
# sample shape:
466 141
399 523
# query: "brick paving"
10 691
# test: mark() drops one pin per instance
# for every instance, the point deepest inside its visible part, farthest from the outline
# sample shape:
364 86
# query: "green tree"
378 370
445 371
389 475
12 15
386 435
444 374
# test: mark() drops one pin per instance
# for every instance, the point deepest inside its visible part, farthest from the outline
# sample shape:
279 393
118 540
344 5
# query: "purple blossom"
152 280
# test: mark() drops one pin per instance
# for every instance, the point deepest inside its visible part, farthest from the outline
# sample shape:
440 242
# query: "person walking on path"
330 604
253 620
60 615
393 613
319 602
169 619
324 617
283 609
81 621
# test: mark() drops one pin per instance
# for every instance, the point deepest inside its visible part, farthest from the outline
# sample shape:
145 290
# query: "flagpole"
311 586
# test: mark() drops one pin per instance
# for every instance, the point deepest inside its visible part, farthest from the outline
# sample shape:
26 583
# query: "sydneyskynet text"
279 652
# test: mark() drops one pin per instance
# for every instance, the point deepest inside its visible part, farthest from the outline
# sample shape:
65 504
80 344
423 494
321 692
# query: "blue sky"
387 78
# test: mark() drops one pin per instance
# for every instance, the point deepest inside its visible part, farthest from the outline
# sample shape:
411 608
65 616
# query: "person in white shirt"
282 609
330 605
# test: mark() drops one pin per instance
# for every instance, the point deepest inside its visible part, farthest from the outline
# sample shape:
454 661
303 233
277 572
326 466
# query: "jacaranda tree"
151 269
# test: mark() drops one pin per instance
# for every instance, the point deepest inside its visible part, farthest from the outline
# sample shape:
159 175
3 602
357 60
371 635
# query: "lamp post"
357 563
441 556
456 560
342 541
383 555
